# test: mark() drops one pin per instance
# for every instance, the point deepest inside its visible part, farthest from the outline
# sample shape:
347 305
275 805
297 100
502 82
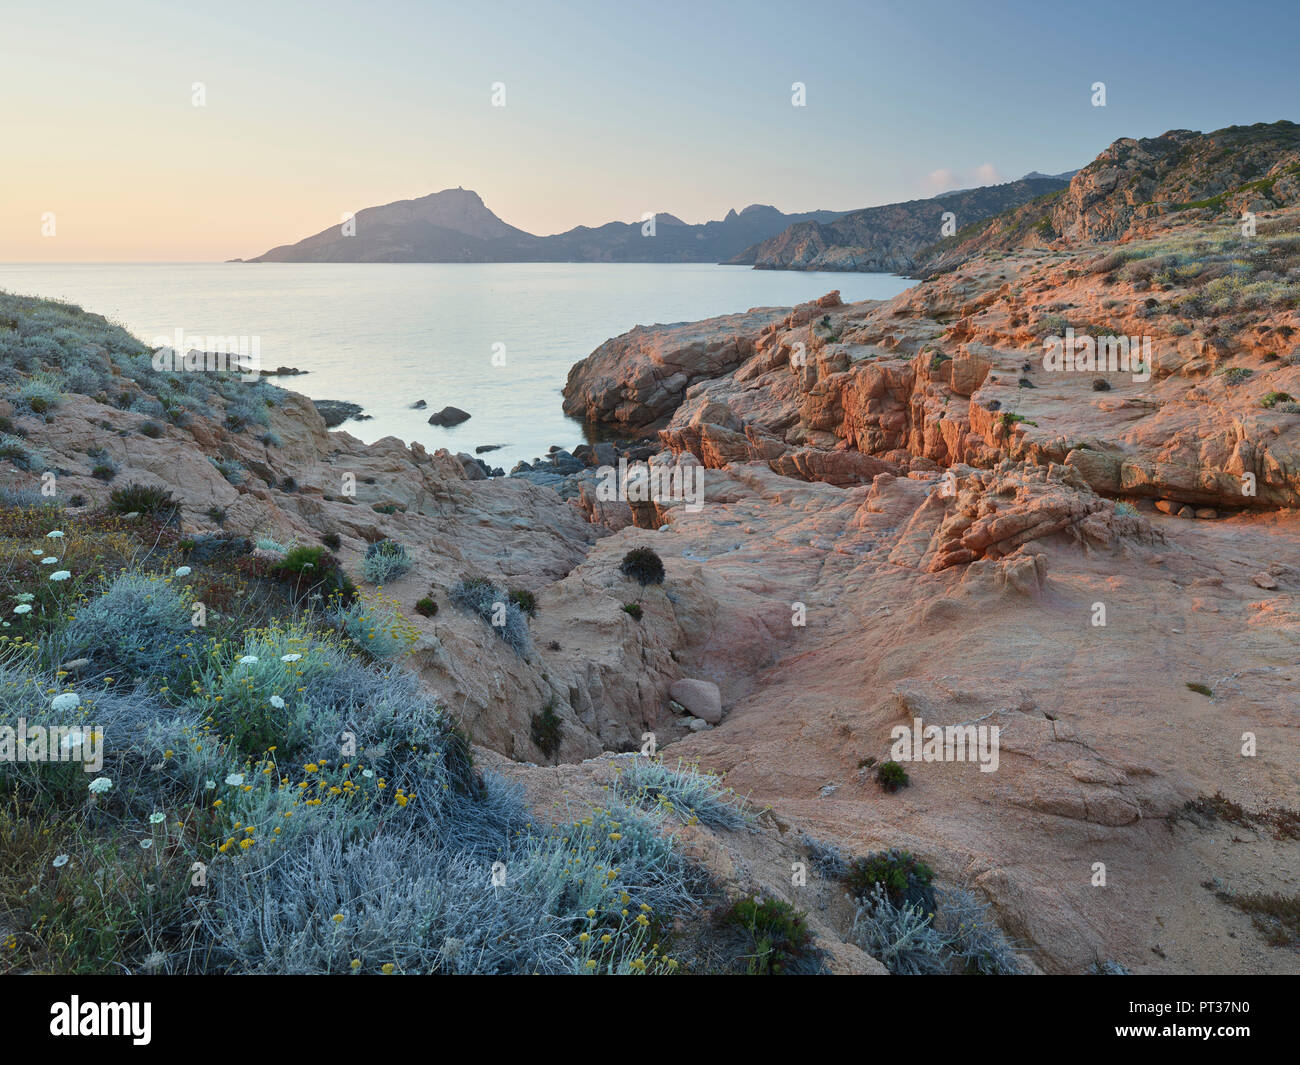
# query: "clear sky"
612 109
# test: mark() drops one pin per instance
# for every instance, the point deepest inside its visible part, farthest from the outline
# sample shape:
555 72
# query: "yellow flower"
355 963
388 969
337 918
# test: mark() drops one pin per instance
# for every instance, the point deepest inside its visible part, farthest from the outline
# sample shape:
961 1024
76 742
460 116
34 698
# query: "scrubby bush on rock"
643 565
385 561
493 605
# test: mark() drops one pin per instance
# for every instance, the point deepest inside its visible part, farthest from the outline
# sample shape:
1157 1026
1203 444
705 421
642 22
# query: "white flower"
24 597
73 739
277 702
23 608
157 818
290 658
54 534
248 660
100 785
61 704
367 773
184 571
208 785
60 861
37 551
145 844
60 575
49 560
235 779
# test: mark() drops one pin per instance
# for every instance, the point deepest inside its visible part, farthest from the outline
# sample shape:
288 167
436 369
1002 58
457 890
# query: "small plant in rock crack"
231 469
778 934
332 540
959 937
891 776
684 793
1200 689
385 561
633 610
903 878
142 499
644 566
311 570
426 607
546 729
524 600
493 605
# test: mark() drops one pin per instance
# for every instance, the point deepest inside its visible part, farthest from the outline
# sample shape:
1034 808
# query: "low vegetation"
225 742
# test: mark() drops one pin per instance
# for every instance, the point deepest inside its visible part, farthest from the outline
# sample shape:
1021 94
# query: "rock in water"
449 416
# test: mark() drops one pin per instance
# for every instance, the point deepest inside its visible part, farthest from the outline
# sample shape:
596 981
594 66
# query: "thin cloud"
945 180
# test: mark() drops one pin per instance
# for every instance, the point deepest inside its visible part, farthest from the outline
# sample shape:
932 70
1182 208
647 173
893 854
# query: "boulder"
701 698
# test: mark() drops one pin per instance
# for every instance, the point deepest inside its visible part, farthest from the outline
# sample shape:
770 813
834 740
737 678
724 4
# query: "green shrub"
643 565
136 498
777 932
426 607
903 878
891 776
1273 398
524 600
546 729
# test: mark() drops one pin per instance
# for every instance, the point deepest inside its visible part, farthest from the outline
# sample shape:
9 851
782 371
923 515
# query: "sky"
157 131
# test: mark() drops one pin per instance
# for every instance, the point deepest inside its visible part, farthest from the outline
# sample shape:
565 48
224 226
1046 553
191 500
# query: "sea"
494 339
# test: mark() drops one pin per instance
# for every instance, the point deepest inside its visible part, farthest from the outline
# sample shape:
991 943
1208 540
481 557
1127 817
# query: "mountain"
1136 181
449 226
886 238
1064 175
455 226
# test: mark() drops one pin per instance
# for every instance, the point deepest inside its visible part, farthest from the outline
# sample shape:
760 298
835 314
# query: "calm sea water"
385 335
